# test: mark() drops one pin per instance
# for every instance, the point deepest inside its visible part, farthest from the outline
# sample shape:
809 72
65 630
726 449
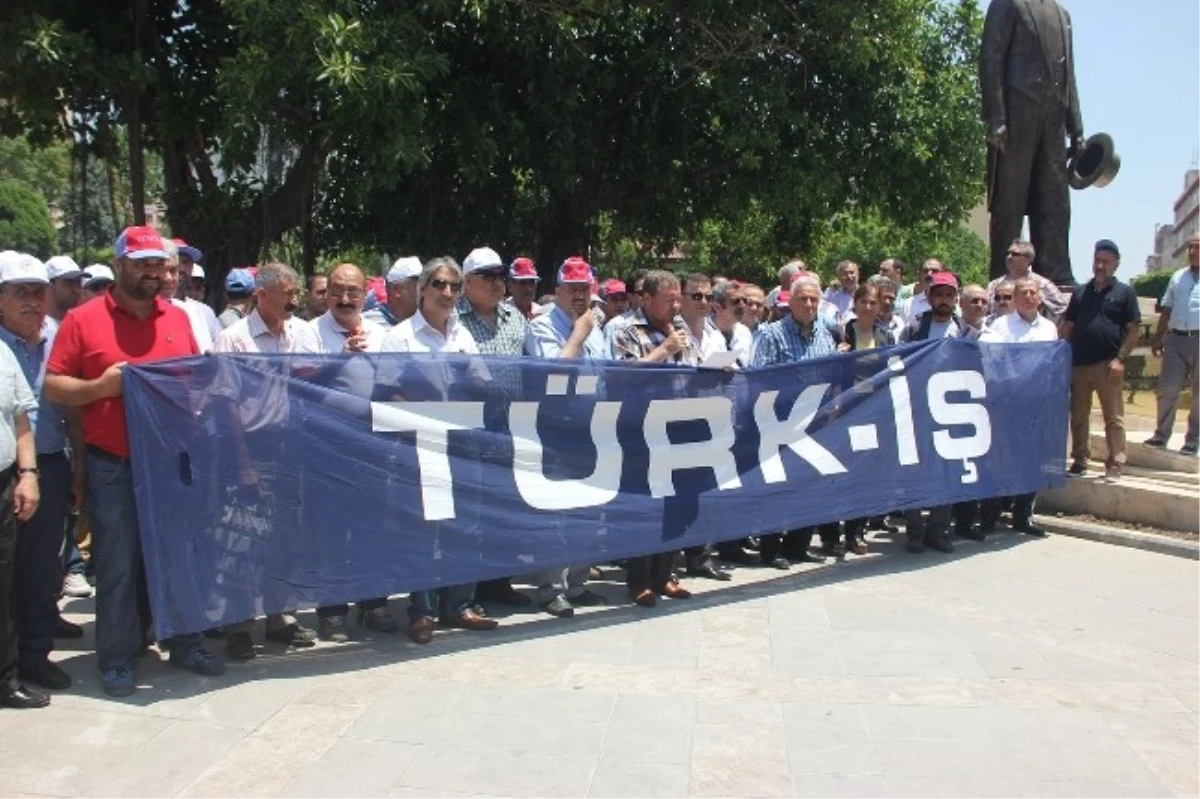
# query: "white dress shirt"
331 336
250 334
1013 329
914 306
415 334
205 327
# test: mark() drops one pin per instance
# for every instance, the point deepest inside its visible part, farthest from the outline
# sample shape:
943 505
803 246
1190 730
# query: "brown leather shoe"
675 591
421 630
645 598
470 620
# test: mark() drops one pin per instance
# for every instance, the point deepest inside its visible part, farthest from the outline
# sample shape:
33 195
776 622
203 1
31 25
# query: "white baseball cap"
405 268
480 259
20 267
63 266
197 271
97 272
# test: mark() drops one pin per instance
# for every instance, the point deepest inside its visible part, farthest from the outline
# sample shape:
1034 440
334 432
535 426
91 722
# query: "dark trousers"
1030 178
965 514
8 563
1022 509
936 526
649 571
38 577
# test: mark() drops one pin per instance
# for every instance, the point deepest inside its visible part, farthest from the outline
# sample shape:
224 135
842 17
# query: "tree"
25 221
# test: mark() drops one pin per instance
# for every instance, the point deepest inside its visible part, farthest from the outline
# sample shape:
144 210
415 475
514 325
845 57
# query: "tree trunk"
137 167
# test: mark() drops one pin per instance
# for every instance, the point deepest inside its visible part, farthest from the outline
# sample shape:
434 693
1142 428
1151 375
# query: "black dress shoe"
46 674
807 557
1029 528
15 695
709 571
65 629
971 533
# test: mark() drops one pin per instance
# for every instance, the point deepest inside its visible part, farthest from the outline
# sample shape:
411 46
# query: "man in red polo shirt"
129 324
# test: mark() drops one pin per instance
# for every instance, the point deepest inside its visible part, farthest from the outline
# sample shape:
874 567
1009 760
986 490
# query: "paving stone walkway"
1016 667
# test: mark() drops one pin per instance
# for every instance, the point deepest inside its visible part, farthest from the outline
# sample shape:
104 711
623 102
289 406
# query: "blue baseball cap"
239 281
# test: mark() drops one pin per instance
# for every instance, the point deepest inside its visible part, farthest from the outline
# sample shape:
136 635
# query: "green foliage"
25 221
1153 284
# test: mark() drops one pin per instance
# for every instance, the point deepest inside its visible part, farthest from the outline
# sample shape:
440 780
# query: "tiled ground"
1018 667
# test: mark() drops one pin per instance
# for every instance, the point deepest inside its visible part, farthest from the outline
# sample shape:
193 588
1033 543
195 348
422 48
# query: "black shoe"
46 674
739 556
808 557
503 594
1156 441
915 545
379 620
239 646
587 599
971 533
987 528
65 629
560 607
15 695
332 628
1029 528
780 563
709 571
295 635
1077 470
941 543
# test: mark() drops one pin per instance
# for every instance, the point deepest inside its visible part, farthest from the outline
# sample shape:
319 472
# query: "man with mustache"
271 327
131 323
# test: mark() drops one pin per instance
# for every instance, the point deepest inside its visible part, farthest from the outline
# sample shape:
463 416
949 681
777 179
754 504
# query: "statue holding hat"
1030 110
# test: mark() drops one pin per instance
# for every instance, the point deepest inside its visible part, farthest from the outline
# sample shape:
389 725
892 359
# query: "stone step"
1138 454
1186 479
1134 499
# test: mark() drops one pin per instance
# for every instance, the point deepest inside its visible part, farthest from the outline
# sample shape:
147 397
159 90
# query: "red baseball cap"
523 269
575 270
784 297
139 242
944 278
612 286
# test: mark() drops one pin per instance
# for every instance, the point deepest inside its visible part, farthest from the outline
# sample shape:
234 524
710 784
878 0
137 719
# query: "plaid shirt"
782 342
507 339
639 338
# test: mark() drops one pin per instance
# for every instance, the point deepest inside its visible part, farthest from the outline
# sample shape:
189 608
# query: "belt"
105 455
1190 333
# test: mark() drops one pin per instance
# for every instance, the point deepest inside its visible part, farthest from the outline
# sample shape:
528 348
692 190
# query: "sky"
1138 75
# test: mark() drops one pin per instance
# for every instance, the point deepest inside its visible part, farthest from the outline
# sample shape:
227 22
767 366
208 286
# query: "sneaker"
560 607
1189 448
199 661
1155 441
76 585
118 681
1077 470
333 628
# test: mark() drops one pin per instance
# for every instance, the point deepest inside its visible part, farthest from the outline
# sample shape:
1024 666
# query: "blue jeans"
453 600
117 553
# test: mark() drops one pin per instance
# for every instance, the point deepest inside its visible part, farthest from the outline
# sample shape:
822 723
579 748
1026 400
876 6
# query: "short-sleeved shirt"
1100 317
251 334
709 341
782 341
548 333
95 335
1182 300
639 338
15 397
49 421
507 338
1011 328
229 316
1053 301
331 337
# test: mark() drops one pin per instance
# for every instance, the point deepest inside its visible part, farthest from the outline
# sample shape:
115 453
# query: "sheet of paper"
720 360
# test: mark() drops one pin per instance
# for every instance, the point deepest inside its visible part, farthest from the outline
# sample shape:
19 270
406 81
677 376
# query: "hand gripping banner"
271 482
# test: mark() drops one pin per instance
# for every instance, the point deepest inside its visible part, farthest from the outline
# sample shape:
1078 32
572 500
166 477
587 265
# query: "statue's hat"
1095 164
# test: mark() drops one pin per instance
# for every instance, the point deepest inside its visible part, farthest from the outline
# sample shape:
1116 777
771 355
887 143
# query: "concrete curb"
1120 537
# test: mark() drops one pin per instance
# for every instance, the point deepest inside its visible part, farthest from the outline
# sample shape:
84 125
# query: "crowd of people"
70 332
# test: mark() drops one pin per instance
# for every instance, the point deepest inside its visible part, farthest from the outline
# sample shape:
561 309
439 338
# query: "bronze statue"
1030 107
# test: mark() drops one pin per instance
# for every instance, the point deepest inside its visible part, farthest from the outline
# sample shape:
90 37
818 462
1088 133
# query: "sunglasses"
700 296
492 276
438 284
744 301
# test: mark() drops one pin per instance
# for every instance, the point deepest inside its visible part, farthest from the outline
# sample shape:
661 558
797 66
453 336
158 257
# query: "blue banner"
266 483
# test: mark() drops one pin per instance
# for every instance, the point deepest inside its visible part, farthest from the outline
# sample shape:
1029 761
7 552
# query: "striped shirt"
783 342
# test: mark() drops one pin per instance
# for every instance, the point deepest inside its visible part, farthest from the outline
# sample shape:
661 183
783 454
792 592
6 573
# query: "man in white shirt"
1019 260
401 286
205 327
270 328
1023 326
729 309
842 295
435 328
918 303
1175 342
342 327
694 307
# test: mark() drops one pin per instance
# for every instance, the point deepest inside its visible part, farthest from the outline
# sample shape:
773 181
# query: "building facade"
1170 240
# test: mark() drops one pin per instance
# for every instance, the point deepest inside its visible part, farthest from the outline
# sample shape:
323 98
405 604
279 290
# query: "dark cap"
1110 245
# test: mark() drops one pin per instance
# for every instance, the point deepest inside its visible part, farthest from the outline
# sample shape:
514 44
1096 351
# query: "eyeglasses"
745 301
491 277
700 296
339 291
438 284
1004 297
